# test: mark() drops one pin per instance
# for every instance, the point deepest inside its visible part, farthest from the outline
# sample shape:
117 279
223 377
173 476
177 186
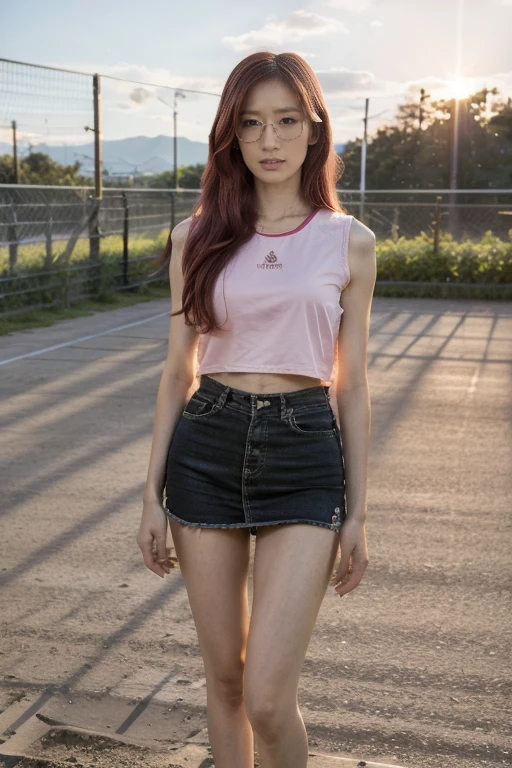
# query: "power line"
110 77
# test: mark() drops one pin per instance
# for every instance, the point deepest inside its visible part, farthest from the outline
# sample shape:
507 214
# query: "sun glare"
458 88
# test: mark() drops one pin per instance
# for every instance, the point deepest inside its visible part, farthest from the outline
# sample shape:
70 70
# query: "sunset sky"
382 49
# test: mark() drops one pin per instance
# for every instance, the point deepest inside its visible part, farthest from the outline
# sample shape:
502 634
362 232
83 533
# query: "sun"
458 88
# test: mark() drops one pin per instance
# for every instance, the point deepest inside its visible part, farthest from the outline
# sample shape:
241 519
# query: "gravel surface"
411 668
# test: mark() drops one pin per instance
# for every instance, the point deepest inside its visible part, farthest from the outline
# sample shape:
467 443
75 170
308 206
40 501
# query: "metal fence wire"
59 245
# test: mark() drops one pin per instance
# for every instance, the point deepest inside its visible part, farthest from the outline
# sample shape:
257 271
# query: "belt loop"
221 400
284 409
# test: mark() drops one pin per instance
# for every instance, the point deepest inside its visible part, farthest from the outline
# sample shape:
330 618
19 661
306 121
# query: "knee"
227 683
266 711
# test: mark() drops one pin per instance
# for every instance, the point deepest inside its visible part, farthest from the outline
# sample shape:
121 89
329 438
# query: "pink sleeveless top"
277 301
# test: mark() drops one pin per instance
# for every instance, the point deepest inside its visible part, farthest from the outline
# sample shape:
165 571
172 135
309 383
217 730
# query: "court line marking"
82 338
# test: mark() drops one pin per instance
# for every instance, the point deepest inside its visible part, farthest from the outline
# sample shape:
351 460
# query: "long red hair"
224 216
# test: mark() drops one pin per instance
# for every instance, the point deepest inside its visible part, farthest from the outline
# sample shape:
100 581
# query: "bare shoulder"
180 232
361 250
361 236
179 236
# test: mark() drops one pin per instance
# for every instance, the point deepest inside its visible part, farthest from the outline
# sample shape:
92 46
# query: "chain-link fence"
465 214
59 244
49 249
50 254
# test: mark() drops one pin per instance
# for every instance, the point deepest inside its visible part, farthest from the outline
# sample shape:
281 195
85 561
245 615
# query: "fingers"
152 565
349 581
348 576
150 553
162 555
166 562
342 575
344 569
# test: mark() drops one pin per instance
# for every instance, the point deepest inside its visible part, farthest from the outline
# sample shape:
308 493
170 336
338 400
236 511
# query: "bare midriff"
265 383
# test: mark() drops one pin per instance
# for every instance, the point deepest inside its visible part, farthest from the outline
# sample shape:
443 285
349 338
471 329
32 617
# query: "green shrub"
487 261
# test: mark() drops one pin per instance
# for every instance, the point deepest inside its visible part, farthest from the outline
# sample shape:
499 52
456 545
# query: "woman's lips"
271 166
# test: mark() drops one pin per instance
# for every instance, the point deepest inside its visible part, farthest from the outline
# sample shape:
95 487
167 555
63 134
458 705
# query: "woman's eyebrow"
284 109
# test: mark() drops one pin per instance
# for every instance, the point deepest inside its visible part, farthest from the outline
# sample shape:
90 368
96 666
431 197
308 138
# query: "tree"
189 177
405 156
38 168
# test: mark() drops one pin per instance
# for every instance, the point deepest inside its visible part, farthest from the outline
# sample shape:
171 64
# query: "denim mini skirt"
239 459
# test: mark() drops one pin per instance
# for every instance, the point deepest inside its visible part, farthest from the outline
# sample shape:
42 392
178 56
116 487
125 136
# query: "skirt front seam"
243 466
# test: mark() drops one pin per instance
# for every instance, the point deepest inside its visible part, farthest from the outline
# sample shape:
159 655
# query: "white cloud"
306 55
354 6
297 26
376 23
342 82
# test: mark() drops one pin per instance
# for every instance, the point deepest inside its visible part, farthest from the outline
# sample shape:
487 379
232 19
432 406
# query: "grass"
46 317
31 256
487 264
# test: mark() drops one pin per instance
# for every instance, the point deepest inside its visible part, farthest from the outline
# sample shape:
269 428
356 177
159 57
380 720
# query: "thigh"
292 567
214 564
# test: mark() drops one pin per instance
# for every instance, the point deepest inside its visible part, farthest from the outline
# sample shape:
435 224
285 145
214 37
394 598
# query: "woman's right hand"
152 538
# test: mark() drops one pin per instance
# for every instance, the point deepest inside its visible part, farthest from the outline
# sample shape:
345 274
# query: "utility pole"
15 158
362 185
177 94
423 96
98 158
94 229
363 161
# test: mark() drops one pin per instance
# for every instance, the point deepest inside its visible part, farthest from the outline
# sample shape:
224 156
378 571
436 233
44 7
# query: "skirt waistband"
287 400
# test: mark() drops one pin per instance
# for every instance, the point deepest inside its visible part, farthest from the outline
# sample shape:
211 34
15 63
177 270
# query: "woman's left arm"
353 399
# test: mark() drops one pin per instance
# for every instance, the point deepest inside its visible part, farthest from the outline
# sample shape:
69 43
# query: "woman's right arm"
177 384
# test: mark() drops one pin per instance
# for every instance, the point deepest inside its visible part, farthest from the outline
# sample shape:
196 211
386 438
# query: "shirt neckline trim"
292 231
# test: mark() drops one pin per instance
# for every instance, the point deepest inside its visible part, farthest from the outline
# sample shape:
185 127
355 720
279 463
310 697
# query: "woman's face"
264 101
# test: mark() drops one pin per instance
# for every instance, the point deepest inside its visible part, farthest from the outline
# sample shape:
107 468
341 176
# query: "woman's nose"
269 137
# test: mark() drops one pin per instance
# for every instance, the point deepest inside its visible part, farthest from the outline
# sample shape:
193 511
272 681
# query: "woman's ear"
314 134
314 129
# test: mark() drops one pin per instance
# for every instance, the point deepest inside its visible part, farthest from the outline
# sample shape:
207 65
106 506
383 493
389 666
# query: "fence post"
98 170
12 237
435 225
48 236
94 231
125 237
94 250
395 227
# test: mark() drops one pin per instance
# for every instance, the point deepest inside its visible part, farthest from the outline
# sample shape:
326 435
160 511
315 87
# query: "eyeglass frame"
275 130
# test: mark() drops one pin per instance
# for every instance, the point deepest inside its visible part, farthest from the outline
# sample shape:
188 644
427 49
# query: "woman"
260 275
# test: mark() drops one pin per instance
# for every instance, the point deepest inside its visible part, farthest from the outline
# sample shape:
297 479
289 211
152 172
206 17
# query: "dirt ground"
411 669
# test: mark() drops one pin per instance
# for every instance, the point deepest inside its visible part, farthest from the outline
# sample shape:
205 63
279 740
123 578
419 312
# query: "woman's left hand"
354 556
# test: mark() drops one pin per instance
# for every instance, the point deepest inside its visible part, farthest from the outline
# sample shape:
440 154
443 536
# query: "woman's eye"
249 121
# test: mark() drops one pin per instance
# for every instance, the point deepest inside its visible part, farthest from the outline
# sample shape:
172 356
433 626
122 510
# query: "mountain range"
123 157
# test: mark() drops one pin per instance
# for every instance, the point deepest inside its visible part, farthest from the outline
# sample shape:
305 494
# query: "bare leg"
214 564
292 567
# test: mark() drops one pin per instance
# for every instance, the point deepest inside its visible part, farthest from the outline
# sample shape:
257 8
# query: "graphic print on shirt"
271 262
279 310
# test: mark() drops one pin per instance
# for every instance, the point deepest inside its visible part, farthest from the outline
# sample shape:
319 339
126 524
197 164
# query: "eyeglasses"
252 130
